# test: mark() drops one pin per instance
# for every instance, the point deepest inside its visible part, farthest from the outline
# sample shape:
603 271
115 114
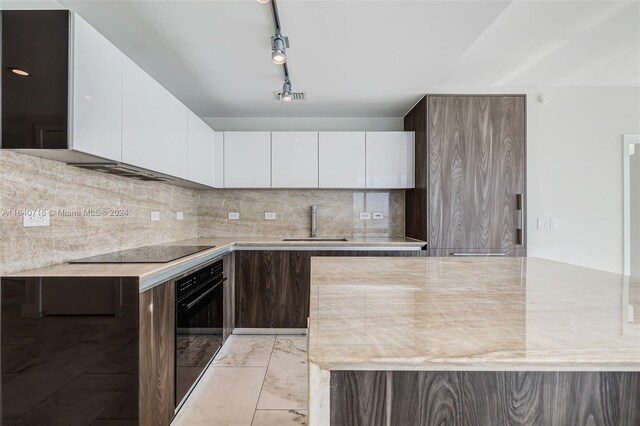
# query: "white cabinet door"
294 159
218 161
154 124
342 159
97 93
390 160
247 159
201 151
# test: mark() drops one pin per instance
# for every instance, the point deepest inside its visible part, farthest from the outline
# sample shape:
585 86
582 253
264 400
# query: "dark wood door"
272 287
476 161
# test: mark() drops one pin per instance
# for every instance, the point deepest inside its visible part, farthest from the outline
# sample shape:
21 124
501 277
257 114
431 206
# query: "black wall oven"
199 322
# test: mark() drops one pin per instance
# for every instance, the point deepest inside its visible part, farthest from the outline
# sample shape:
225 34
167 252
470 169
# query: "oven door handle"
203 295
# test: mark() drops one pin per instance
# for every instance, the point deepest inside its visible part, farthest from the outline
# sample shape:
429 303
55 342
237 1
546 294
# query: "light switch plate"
233 216
555 224
365 216
543 224
38 217
378 216
155 216
180 215
269 215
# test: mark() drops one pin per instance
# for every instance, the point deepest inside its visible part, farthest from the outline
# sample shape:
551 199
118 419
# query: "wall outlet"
38 217
365 216
155 216
233 216
378 216
544 224
269 215
555 224
180 215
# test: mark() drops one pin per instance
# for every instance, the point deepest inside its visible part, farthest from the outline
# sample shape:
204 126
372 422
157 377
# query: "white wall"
305 123
575 173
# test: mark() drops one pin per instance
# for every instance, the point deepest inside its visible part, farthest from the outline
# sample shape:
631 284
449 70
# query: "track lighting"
286 92
278 49
279 46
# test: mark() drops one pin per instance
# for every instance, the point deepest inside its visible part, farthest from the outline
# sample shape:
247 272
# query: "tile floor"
253 381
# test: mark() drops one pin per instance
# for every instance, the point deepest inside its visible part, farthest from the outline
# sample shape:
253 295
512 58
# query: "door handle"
519 220
203 295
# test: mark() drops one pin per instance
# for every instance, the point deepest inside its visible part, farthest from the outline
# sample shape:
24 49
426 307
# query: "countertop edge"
167 271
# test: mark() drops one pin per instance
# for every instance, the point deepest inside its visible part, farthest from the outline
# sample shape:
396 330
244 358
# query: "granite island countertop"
471 314
150 274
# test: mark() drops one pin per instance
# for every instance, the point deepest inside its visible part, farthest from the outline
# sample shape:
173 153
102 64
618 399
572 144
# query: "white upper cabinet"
154 124
247 159
390 160
218 161
97 93
294 159
342 159
201 151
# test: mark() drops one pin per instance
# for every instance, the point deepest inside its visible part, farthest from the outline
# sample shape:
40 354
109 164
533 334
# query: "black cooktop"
149 254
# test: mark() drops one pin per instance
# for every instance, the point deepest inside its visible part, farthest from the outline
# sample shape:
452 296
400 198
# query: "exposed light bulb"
286 92
279 57
278 52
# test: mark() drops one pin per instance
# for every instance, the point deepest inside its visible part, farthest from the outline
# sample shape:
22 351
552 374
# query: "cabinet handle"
476 254
519 220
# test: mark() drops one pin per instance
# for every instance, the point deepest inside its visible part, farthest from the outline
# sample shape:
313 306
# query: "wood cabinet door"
157 354
476 150
272 287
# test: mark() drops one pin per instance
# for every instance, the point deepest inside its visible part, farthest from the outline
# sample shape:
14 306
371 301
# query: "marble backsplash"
32 183
338 213
75 196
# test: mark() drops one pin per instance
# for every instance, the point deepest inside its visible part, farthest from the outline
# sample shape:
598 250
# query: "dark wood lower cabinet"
157 355
484 398
272 287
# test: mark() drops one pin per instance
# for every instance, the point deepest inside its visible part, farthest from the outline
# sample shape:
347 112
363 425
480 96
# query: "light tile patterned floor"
253 381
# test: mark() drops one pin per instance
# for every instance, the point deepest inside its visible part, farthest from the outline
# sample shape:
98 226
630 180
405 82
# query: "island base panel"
484 398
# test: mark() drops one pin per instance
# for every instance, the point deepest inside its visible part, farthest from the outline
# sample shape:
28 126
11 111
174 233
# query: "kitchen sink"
315 239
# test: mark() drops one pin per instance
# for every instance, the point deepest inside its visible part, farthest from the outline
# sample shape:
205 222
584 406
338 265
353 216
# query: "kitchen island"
482 341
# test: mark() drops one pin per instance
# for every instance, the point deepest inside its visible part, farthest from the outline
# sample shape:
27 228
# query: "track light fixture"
279 46
286 92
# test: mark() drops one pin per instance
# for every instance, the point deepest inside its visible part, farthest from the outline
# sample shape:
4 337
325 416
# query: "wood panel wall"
157 355
484 398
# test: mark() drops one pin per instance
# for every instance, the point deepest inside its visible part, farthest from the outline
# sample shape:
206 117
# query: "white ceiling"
367 58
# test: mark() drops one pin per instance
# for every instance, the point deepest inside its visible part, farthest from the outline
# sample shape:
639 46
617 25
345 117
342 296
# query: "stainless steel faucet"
314 214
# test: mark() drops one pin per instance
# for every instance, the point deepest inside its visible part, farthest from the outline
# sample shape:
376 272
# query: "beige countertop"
150 274
470 314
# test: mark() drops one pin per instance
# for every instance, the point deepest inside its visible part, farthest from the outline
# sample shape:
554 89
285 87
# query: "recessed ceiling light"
263 1
18 71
